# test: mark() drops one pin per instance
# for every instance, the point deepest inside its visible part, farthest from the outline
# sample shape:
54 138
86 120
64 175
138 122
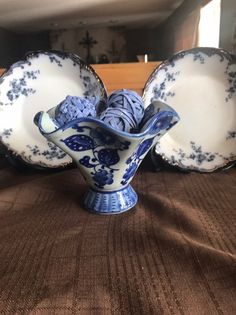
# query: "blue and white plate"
40 82
200 84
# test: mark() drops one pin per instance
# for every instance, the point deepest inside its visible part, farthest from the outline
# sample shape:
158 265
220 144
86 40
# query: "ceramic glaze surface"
200 84
111 203
41 81
108 158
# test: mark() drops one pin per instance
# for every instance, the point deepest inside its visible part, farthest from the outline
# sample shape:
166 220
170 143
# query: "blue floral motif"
199 54
103 146
89 86
231 76
231 135
56 60
85 161
20 86
143 147
159 90
21 64
199 57
6 133
129 172
79 142
164 123
20 82
50 154
134 160
108 157
197 155
103 177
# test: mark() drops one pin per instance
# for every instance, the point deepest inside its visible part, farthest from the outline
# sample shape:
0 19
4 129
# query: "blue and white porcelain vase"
108 158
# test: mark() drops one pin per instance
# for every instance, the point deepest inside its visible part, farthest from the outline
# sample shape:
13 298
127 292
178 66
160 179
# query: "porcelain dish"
200 84
39 82
108 158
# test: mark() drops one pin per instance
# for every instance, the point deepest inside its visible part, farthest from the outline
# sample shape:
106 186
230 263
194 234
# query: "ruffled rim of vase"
148 125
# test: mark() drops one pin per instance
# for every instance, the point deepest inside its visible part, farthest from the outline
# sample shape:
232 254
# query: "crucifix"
88 43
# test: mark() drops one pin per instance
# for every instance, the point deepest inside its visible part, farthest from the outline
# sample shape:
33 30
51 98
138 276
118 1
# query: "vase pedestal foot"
110 202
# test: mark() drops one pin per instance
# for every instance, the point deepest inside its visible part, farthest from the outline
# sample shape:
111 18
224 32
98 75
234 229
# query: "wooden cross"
88 43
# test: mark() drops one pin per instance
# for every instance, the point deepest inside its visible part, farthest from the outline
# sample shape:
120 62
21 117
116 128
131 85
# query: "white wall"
228 25
69 40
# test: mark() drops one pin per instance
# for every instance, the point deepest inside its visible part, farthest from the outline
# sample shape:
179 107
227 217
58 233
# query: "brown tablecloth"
174 253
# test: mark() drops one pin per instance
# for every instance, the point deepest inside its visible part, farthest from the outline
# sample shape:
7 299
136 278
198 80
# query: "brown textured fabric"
173 254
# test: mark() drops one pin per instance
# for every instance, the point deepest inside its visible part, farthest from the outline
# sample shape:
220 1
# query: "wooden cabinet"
125 75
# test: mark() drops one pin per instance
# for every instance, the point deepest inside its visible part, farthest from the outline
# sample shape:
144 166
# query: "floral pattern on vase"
135 159
103 148
108 158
